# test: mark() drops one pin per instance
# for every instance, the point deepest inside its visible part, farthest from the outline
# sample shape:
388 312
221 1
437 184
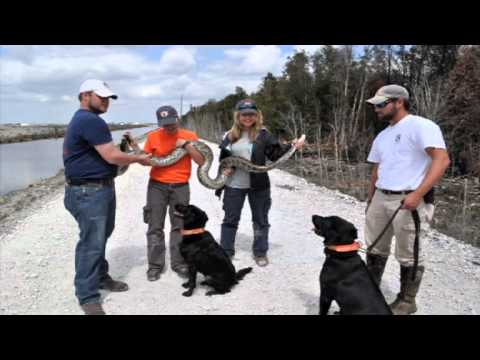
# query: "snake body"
230 162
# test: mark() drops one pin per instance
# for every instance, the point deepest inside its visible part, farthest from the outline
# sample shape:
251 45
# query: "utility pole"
181 106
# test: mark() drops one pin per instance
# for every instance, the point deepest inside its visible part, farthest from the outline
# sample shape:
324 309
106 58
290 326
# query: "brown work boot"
376 266
112 285
405 303
93 309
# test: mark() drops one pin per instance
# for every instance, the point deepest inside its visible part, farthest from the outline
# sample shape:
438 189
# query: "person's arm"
274 150
373 180
111 154
194 153
440 163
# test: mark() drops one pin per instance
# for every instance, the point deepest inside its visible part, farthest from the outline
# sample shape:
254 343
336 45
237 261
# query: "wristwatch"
185 144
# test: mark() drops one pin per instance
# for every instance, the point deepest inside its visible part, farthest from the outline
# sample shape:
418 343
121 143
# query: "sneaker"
261 260
112 285
153 274
93 309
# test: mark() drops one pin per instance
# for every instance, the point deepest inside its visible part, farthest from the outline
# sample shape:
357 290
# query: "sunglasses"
384 104
249 115
247 106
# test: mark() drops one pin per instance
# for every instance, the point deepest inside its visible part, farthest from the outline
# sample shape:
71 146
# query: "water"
22 164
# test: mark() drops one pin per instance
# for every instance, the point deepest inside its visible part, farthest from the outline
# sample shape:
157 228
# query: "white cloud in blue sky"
39 83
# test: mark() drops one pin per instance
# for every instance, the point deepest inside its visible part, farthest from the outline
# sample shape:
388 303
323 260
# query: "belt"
391 192
170 185
89 182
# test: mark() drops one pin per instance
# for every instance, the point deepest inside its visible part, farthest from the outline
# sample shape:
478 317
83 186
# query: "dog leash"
384 229
416 244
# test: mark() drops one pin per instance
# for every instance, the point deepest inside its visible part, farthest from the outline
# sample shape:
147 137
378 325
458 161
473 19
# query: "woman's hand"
298 143
228 171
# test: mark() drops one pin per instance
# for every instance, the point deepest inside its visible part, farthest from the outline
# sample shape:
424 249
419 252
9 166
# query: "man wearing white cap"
91 161
409 158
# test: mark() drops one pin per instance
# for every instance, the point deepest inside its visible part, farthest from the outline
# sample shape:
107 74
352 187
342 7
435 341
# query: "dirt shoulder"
18 204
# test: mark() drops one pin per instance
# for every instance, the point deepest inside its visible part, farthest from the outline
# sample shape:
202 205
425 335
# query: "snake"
203 171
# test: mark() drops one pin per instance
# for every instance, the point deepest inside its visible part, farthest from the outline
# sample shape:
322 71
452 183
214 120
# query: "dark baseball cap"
166 115
246 106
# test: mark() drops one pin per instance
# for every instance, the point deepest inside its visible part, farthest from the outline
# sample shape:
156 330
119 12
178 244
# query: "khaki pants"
161 196
379 213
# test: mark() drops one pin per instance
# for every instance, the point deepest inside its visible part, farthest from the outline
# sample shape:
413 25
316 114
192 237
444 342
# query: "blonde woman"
249 139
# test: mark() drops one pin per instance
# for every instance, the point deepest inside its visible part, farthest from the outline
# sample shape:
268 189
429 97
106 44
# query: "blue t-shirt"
80 158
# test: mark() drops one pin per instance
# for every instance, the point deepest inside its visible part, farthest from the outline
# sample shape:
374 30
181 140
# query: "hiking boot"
93 309
405 303
112 285
154 274
261 260
376 266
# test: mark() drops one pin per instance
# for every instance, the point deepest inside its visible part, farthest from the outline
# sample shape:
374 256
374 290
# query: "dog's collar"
193 231
345 248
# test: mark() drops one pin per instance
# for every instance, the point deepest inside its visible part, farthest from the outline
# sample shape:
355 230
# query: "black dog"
203 254
345 277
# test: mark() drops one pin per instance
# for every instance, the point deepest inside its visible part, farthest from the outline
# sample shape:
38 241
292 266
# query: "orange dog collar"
193 231
345 248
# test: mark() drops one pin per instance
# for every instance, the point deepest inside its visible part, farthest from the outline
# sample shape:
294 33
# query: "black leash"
385 228
416 244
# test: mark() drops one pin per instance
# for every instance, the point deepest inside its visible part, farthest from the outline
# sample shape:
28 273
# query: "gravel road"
37 258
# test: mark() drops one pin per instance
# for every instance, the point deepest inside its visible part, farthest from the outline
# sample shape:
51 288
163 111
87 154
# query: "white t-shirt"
400 152
243 148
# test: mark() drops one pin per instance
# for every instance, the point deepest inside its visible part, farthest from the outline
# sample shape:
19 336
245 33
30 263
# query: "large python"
202 172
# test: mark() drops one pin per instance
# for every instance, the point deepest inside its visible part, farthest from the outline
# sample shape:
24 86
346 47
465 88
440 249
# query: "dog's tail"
241 273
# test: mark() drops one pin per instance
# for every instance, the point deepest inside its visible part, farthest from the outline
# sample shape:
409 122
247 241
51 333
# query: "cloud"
258 59
309 49
37 81
178 60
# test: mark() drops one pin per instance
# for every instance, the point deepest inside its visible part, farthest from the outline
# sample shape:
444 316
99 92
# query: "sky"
39 83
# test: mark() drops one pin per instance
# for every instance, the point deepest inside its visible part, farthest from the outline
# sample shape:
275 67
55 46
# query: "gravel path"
37 258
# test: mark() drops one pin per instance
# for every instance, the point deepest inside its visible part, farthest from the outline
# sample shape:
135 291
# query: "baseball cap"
99 87
388 92
166 115
246 106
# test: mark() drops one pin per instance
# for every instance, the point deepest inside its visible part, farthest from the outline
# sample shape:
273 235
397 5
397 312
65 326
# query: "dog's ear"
354 232
348 234
331 237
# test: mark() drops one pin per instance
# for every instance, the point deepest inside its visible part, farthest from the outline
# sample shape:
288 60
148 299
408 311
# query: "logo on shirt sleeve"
397 138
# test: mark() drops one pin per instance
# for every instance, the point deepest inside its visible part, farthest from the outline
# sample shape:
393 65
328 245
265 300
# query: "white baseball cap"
388 92
100 88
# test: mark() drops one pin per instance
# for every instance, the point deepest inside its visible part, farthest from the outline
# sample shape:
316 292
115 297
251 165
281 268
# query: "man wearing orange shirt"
167 186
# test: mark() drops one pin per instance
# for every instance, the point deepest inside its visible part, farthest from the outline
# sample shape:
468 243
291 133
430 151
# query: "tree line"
323 95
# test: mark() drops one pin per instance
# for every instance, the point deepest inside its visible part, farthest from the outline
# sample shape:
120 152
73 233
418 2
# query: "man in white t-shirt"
409 158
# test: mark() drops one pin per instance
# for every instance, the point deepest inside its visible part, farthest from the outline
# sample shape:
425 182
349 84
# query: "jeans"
260 203
160 197
93 207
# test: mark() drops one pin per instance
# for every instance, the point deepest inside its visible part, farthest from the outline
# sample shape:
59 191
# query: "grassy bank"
457 200
17 133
